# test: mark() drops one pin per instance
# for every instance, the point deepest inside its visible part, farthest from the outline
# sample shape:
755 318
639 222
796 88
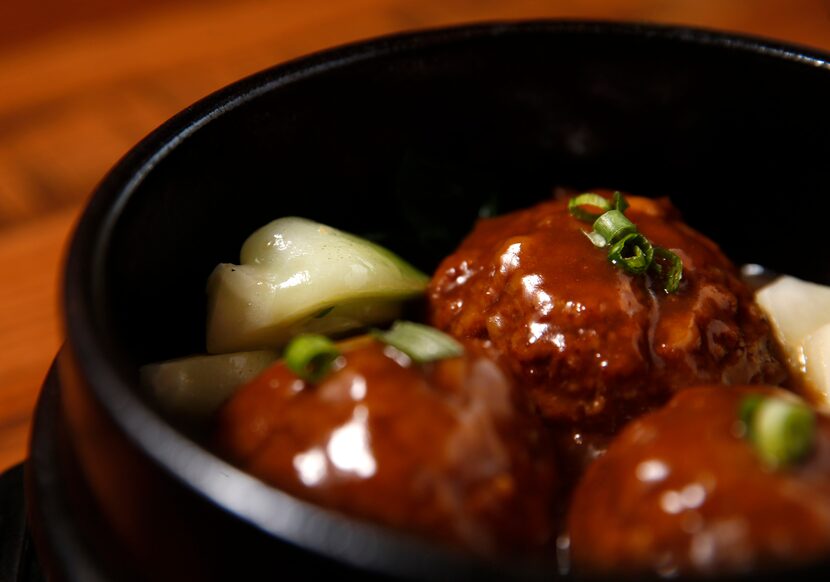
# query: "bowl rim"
304 524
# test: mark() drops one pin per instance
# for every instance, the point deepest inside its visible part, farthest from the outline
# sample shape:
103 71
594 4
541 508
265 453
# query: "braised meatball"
681 492
593 345
443 449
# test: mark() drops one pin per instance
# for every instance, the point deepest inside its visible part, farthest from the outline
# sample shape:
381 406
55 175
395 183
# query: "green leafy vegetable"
298 276
420 342
193 388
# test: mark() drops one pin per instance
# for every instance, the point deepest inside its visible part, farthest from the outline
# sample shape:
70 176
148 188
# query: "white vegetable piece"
800 315
817 359
299 276
193 388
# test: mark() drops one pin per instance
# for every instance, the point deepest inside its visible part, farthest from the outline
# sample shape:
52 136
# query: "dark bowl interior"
407 140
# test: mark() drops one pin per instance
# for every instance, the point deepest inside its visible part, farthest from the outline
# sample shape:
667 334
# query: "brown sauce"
680 492
592 345
445 450
564 352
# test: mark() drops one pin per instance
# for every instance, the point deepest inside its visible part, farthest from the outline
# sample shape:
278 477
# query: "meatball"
444 449
593 345
681 492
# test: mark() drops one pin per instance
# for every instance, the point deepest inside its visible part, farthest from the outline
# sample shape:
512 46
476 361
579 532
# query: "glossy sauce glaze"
595 346
563 350
445 450
680 492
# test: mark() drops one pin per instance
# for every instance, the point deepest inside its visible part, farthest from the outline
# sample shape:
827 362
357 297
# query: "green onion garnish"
630 250
671 280
782 432
596 238
633 252
613 225
588 199
420 342
620 203
310 356
746 412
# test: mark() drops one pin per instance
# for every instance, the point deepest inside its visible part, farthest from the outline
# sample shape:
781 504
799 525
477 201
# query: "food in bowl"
682 491
301 276
596 346
447 449
563 337
800 315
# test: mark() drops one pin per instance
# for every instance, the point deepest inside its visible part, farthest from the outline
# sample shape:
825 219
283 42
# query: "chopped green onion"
596 238
311 356
630 250
588 199
613 225
420 342
782 432
632 253
620 203
746 412
671 280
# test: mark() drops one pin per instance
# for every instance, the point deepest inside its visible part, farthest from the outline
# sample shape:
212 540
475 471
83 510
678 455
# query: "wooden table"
81 82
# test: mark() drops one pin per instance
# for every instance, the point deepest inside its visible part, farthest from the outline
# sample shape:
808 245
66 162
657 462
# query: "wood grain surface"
81 82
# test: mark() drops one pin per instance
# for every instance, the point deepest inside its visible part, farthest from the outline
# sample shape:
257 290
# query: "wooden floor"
82 81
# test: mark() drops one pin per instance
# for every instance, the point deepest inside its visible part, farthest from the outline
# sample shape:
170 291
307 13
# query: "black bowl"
405 140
